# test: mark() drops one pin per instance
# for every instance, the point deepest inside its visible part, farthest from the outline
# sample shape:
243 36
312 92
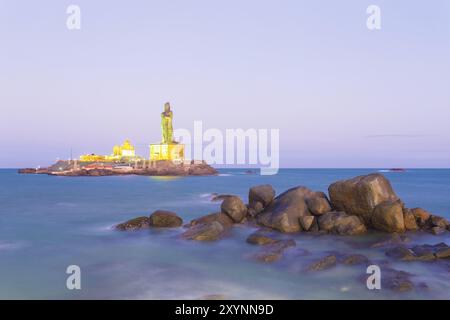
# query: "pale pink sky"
341 95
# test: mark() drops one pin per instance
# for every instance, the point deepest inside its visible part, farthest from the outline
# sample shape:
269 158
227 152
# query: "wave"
10 245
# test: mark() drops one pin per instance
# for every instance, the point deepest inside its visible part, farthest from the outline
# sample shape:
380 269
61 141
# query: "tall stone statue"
166 124
168 149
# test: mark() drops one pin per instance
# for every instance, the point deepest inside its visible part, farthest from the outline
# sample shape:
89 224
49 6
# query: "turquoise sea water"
48 223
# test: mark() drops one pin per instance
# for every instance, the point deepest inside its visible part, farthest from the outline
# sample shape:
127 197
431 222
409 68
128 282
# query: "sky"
341 95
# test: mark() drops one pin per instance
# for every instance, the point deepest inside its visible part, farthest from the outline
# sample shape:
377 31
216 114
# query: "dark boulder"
341 223
274 251
134 224
360 195
165 219
307 222
410 220
260 197
234 208
261 238
422 216
220 217
388 216
396 280
354 259
323 263
401 253
286 209
318 204
204 232
424 252
437 221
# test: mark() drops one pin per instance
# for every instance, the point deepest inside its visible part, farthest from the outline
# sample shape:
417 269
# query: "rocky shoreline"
155 168
354 207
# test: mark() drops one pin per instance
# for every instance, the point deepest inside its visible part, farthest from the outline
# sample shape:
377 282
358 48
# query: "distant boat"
393 170
397 170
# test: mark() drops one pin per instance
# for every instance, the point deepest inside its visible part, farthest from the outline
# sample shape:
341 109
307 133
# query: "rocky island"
144 168
167 158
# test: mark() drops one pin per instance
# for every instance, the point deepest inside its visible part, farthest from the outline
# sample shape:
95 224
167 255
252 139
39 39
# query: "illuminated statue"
166 124
168 149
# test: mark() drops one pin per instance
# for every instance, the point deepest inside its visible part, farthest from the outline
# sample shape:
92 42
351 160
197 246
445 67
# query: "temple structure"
126 151
168 149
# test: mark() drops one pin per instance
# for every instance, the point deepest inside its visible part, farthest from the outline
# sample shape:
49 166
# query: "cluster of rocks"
354 206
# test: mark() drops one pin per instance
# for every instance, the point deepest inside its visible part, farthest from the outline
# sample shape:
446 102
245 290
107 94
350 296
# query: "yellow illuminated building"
168 149
124 152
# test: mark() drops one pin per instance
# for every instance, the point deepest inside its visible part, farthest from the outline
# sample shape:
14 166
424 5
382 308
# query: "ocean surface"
48 223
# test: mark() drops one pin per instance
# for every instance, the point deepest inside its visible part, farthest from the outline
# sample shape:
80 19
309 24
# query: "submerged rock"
204 232
396 280
341 223
323 263
261 238
354 259
274 251
423 252
394 239
360 195
220 217
234 208
401 253
134 224
165 219
388 216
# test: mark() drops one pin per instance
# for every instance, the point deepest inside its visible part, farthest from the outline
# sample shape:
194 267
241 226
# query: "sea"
49 223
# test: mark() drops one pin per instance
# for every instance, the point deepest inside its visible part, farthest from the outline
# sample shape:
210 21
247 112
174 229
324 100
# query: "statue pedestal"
173 152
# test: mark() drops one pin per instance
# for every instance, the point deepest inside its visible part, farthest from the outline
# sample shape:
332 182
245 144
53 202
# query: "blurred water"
48 223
